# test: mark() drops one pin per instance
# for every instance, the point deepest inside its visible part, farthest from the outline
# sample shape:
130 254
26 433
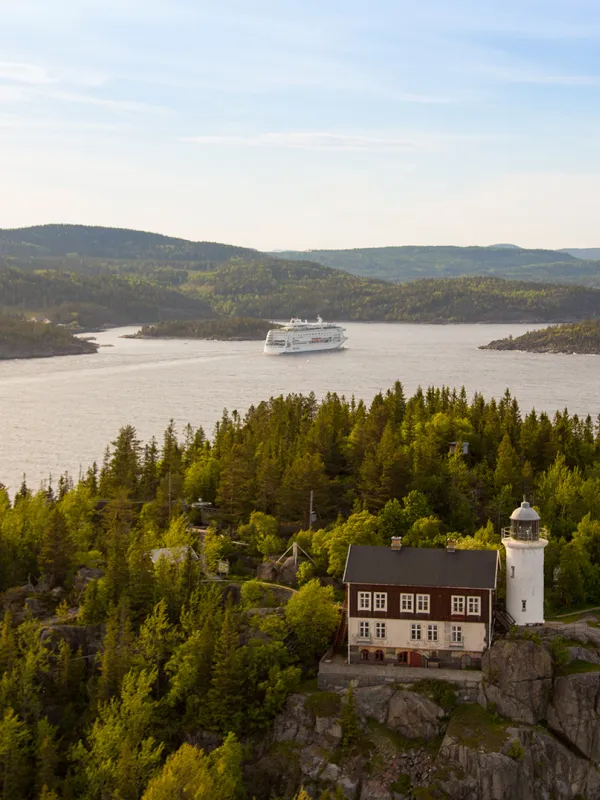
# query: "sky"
305 124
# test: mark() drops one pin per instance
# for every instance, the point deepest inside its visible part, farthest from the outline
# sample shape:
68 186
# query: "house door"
415 659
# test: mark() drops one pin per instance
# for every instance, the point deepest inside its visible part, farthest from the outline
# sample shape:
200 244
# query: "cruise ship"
301 336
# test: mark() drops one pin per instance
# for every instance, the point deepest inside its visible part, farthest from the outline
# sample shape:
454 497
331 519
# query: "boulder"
373 701
518 679
295 723
575 712
325 726
288 571
414 716
267 571
577 653
86 575
373 790
88 638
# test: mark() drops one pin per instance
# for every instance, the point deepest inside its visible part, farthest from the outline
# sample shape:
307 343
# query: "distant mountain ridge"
98 242
411 262
103 276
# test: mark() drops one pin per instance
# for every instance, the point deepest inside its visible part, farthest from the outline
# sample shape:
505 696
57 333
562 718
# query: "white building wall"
398 634
525 580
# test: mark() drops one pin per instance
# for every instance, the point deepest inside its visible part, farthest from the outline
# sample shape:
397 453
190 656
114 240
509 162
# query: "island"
20 338
575 337
226 329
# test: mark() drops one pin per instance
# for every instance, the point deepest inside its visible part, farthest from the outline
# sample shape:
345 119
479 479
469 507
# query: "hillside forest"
103 276
127 673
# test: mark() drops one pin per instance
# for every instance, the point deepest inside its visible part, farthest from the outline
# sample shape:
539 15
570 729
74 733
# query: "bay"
60 413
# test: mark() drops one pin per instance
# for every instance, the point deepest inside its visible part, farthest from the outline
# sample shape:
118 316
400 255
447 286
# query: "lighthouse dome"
525 513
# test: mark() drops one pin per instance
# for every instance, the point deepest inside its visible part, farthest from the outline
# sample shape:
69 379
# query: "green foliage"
350 725
312 616
190 773
516 750
575 337
323 704
441 692
228 329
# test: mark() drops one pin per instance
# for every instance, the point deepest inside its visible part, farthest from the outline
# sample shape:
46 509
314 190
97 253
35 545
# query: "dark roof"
421 566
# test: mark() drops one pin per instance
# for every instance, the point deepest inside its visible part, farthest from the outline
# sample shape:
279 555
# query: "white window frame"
474 606
380 598
415 628
424 600
409 599
512 572
458 604
432 633
523 606
364 629
380 630
364 601
457 634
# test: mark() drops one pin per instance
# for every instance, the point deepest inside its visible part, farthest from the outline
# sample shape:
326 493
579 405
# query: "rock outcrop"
518 679
574 712
534 733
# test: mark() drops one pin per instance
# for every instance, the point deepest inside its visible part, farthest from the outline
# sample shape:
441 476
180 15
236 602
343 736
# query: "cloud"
24 73
105 102
316 140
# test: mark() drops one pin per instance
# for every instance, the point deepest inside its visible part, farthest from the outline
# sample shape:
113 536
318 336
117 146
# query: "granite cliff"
530 732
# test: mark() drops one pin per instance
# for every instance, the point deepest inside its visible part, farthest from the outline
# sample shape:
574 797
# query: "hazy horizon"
301 126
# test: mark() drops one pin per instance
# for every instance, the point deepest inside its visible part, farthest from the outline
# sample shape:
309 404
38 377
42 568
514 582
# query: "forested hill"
120 243
399 264
579 337
21 338
94 300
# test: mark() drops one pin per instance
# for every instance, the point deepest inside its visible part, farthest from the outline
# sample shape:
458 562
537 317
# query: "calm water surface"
59 413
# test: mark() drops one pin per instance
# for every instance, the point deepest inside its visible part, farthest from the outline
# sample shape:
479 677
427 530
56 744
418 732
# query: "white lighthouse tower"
524 566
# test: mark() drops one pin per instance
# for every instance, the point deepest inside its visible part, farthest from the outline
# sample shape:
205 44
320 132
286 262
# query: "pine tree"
14 767
224 698
46 754
350 729
56 557
117 654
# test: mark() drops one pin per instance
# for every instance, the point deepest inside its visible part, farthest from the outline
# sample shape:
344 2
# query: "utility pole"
169 496
310 511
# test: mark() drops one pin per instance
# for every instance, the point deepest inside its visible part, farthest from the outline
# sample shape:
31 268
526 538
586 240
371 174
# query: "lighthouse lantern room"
524 566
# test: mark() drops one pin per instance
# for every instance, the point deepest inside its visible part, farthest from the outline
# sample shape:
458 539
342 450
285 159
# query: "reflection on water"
59 413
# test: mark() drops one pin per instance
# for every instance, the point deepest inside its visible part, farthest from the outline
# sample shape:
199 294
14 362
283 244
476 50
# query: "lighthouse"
524 566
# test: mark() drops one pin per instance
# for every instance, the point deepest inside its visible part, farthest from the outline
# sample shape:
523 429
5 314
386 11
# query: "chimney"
451 545
396 542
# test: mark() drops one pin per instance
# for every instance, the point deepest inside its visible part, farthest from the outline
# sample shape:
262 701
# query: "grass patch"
323 704
399 742
308 686
477 728
568 615
443 693
577 666
402 784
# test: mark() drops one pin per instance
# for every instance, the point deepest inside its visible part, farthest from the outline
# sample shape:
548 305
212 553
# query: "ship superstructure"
301 336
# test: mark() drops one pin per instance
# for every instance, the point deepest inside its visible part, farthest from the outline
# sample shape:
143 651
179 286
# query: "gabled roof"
422 566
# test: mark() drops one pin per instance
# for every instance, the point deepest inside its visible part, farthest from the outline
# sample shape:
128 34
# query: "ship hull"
297 348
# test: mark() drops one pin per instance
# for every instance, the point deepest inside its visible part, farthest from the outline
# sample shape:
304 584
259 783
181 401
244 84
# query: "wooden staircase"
503 621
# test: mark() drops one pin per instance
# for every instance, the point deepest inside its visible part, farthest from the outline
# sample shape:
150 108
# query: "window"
474 605
512 572
406 602
364 601
380 601
432 633
457 634
458 604
379 655
403 657
423 604
364 655
415 632
380 630
364 629
523 605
